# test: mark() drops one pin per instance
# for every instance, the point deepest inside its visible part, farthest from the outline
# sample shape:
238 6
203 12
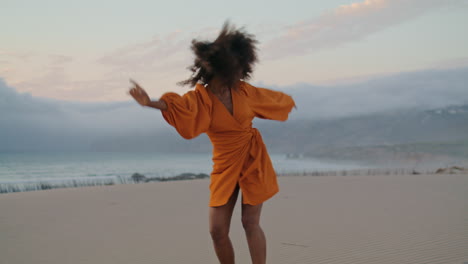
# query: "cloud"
144 54
426 89
29 71
30 122
57 82
348 23
452 63
58 59
61 76
159 55
170 51
22 56
14 103
161 61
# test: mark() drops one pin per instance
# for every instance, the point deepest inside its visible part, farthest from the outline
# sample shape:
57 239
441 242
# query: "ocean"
28 171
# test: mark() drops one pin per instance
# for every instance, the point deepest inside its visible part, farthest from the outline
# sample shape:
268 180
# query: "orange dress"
239 154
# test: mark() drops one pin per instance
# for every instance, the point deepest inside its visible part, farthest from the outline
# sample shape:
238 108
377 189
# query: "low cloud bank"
420 90
34 123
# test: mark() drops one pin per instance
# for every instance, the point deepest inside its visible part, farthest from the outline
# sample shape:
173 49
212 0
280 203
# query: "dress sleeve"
189 114
269 104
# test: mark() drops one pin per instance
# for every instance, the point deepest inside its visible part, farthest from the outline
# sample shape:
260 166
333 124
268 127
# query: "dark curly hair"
230 58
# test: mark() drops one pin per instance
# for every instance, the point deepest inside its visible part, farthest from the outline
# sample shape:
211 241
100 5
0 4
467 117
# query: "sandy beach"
327 219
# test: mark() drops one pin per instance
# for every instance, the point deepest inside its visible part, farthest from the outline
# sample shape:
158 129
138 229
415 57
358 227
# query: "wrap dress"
239 153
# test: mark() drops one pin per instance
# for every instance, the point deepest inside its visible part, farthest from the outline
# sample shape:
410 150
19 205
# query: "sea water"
117 167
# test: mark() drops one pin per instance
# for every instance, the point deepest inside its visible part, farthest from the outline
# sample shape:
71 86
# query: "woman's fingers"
135 84
137 88
134 91
138 93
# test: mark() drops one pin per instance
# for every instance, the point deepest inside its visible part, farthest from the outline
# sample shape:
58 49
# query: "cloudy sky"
87 50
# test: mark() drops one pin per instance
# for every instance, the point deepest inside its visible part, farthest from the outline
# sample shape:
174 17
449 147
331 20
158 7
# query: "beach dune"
329 219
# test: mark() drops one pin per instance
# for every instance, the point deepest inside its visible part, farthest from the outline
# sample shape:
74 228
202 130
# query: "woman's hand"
139 94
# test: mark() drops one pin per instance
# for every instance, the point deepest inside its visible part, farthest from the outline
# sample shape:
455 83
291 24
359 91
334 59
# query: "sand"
328 219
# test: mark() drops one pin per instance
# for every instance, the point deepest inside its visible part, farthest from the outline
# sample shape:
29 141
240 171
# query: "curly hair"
230 58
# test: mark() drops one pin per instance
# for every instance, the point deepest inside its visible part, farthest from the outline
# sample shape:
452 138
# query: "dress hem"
267 197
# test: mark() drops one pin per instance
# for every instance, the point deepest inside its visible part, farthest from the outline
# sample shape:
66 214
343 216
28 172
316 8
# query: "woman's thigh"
220 216
251 214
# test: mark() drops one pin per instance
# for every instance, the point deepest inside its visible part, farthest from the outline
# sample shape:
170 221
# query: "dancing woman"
223 106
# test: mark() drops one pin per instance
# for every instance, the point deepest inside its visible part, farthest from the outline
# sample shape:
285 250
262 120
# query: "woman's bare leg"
255 236
220 222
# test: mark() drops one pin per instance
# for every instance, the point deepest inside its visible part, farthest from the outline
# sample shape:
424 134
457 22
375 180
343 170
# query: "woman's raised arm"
140 95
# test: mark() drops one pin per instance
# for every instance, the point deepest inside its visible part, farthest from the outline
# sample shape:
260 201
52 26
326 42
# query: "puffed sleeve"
190 114
268 104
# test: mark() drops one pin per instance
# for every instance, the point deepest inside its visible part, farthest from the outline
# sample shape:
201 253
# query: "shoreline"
136 178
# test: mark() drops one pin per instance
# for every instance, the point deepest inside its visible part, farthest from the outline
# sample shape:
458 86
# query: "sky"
87 50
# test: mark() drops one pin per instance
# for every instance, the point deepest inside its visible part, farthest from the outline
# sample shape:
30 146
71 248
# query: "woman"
223 106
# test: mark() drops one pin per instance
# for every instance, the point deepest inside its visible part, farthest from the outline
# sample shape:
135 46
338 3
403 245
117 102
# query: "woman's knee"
219 232
251 216
250 222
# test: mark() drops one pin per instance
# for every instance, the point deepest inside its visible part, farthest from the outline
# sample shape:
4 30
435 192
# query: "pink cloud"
348 23
149 55
58 59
